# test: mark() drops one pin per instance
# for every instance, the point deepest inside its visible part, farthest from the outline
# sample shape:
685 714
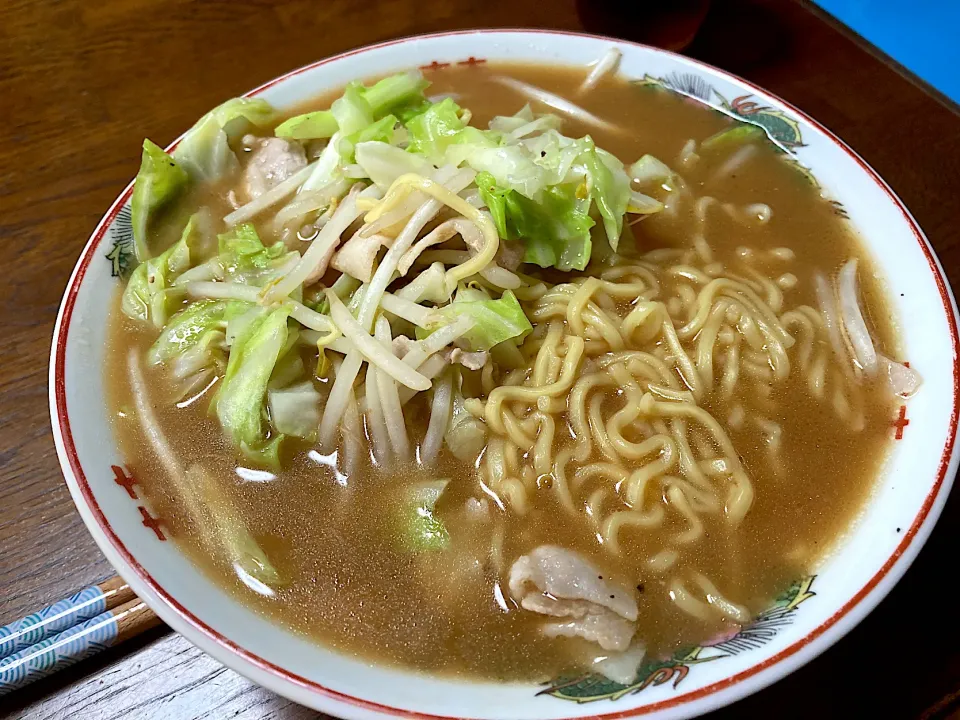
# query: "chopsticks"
69 631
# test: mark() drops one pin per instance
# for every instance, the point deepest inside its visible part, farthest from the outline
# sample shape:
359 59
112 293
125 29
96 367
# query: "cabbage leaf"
150 295
244 258
204 152
555 231
351 110
433 131
220 522
295 410
359 106
609 188
493 320
420 529
159 182
190 327
384 163
239 403
466 435
378 131
317 125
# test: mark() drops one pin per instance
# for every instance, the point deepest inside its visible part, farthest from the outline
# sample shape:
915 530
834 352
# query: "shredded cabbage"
441 125
510 165
649 169
555 231
150 295
493 320
466 435
403 92
420 528
296 410
204 152
220 522
379 131
239 403
384 163
351 110
244 258
509 123
191 325
242 249
309 126
159 182
358 107
732 137
609 188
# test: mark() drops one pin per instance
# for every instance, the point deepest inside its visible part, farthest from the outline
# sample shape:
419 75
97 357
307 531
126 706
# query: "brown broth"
353 588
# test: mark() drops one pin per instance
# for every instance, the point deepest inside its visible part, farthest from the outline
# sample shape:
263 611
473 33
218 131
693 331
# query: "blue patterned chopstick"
64 614
74 644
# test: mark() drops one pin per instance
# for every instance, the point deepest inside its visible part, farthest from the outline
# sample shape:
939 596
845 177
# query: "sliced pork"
358 254
563 584
470 360
271 161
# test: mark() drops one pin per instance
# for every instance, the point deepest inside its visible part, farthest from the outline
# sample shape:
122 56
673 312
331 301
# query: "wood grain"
81 83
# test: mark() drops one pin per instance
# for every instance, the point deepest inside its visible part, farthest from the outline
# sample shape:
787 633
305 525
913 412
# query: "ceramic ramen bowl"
813 614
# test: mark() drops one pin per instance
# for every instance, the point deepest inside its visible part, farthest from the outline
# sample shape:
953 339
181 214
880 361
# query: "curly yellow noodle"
634 487
560 483
632 291
615 473
492 412
716 599
602 323
689 465
774 293
636 451
598 429
652 367
644 317
731 370
616 521
706 340
611 415
679 501
690 273
514 494
547 352
593 507
514 430
542 460
685 601
578 410
738 291
576 304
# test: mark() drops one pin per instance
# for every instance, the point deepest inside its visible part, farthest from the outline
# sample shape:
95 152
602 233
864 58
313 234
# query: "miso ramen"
499 371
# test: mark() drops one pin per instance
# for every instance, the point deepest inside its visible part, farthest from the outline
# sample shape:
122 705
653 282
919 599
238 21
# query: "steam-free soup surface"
350 582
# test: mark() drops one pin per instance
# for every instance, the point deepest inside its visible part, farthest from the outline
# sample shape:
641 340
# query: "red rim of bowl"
69 459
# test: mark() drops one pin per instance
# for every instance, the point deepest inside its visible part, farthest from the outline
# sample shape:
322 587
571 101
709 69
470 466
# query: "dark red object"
124 480
901 422
668 25
149 521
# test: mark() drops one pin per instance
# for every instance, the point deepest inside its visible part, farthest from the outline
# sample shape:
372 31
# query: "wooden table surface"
81 84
